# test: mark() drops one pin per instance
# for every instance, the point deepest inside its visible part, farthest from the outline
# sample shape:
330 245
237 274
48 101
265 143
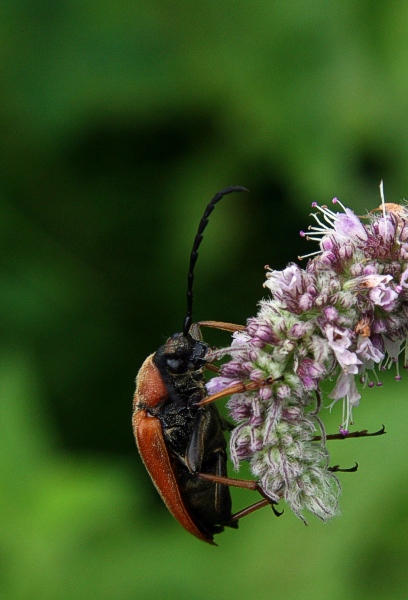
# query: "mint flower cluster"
344 317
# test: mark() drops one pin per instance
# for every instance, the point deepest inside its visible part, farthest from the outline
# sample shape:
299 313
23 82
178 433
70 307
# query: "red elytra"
151 391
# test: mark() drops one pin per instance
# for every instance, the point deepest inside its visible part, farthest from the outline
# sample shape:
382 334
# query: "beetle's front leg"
239 388
220 325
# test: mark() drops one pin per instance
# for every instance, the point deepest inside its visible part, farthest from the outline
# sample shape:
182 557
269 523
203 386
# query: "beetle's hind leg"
246 484
256 506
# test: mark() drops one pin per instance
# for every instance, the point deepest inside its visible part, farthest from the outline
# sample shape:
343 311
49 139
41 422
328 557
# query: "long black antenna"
194 253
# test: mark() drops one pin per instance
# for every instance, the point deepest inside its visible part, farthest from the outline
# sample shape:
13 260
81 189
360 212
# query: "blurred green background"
118 124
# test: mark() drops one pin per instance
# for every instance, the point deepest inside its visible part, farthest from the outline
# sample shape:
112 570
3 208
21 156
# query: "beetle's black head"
181 354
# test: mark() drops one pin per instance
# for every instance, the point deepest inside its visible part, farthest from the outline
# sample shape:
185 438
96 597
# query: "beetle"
179 432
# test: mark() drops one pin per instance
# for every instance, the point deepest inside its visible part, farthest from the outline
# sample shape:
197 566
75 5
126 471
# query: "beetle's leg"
220 325
195 329
239 388
212 368
195 448
336 469
246 484
354 434
249 509
341 436
256 506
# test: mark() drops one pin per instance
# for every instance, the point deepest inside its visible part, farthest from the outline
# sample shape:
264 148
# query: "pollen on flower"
342 318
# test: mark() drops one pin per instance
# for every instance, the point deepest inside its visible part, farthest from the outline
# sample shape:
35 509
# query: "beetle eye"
176 365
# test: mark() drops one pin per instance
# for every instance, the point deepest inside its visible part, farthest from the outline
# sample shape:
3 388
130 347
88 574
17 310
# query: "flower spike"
343 317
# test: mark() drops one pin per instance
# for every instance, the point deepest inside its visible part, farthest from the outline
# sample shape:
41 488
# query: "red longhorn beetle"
179 432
